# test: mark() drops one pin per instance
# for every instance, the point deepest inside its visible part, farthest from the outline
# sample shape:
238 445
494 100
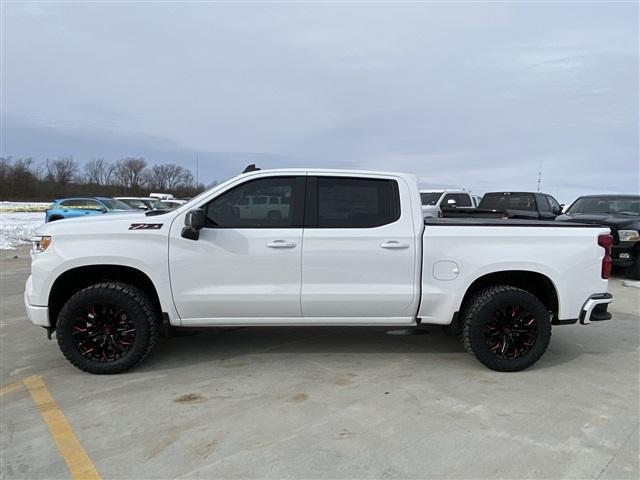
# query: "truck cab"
347 248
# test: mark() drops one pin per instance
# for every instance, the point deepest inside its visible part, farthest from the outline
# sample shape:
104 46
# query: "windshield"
113 204
508 201
606 205
430 198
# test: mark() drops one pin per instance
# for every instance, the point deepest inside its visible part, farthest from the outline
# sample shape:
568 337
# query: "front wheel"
107 328
506 328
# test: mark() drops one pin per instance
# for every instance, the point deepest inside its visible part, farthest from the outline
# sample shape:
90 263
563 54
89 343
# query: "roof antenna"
540 175
251 168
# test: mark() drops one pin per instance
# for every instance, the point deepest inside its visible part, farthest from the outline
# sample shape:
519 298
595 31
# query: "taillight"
606 241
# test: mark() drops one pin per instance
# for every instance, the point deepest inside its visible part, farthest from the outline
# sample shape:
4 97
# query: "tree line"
26 179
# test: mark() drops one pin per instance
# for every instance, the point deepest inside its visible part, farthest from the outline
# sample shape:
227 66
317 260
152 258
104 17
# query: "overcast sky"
467 94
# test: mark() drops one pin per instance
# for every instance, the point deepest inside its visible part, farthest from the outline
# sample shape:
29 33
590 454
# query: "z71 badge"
145 226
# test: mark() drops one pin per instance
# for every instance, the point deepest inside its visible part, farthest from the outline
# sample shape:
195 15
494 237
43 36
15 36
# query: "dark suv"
621 213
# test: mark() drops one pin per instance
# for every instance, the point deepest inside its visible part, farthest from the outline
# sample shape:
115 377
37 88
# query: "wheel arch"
536 283
75 279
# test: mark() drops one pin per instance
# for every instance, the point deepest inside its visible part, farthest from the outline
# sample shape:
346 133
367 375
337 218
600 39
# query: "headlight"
40 244
629 235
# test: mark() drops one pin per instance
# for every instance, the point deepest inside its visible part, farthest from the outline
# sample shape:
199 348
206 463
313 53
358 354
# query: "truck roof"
444 190
340 171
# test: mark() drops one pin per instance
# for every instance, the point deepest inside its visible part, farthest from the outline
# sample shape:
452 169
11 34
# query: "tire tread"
134 294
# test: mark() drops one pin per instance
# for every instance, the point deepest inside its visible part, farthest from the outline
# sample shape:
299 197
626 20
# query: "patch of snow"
17 228
24 206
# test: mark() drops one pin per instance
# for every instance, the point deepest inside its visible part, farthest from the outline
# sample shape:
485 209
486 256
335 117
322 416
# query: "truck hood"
112 222
616 222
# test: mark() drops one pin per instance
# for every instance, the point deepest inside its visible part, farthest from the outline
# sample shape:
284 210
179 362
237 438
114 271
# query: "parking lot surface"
322 403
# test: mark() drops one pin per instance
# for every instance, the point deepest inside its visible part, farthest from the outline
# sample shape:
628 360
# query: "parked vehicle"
167 204
522 205
79 207
433 201
621 213
350 248
141 203
161 196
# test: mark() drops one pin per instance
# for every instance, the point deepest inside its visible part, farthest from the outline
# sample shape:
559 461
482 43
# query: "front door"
359 257
246 263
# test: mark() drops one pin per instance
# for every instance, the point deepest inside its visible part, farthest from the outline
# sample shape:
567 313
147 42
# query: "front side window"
555 206
543 203
248 206
357 202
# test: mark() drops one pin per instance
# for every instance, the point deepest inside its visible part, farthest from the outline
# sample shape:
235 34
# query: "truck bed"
457 253
499 222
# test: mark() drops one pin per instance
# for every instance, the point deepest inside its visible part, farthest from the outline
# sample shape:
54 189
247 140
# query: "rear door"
359 253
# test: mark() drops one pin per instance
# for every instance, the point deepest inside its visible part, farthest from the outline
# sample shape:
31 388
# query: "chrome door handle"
394 245
281 244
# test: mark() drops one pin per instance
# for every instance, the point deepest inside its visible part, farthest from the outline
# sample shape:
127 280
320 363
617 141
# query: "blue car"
79 207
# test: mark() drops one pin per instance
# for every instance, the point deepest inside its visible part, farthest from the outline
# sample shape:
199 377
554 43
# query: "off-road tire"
139 309
479 310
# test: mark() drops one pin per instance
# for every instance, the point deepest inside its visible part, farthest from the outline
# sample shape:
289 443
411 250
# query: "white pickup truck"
349 248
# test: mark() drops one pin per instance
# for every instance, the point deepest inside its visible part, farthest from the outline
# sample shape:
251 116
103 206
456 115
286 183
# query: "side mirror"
143 207
451 203
193 222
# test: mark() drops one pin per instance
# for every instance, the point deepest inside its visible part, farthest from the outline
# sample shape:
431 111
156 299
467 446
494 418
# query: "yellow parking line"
12 387
71 449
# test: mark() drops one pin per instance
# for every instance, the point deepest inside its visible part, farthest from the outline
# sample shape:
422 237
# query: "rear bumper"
37 315
595 308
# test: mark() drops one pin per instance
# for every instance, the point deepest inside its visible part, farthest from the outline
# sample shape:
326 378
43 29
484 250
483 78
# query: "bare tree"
130 172
62 170
168 177
98 171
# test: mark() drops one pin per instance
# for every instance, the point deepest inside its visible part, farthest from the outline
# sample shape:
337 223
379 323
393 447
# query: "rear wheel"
506 328
107 328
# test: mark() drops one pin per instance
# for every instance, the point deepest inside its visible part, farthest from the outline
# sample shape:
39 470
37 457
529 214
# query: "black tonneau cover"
499 222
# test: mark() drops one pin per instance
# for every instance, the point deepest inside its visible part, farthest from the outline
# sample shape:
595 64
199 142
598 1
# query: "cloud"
473 94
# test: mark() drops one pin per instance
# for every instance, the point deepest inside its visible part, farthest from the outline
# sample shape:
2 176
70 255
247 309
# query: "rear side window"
461 199
502 201
354 203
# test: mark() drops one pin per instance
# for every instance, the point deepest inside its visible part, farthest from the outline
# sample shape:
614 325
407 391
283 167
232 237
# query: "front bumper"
595 308
37 315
